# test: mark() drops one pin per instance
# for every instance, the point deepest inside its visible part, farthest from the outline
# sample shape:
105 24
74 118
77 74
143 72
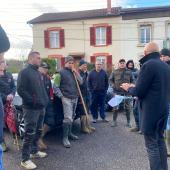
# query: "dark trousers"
97 102
156 150
33 120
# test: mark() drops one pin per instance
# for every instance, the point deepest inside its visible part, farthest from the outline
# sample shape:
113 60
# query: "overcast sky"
14 15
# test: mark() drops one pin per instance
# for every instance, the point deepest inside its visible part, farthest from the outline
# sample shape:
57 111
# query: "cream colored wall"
130 48
77 37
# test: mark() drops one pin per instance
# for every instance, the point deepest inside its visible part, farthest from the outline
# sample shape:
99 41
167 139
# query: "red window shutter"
109 62
62 62
46 39
62 38
93 59
109 35
92 36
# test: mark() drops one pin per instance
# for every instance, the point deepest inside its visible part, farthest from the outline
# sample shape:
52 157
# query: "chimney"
109 8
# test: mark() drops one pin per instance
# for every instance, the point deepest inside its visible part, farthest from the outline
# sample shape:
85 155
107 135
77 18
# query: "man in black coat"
152 89
31 88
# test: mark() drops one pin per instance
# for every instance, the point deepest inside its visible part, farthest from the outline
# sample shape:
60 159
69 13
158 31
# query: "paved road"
106 149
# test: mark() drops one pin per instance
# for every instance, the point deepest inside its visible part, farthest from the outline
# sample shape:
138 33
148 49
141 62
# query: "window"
145 34
168 30
101 59
101 36
54 38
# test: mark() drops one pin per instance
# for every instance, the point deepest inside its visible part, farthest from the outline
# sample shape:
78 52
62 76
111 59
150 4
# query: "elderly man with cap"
49 120
65 87
165 56
153 90
4 46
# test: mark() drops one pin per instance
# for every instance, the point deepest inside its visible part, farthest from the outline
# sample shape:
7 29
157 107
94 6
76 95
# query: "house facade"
101 35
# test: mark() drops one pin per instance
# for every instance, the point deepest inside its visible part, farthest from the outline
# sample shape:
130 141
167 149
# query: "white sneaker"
28 165
39 154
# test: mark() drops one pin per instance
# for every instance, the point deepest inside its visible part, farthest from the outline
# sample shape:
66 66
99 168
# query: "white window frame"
101 33
168 30
54 40
146 39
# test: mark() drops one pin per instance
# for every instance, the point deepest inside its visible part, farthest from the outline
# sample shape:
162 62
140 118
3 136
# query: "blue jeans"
156 150
1 120
97 102
136 113
168 122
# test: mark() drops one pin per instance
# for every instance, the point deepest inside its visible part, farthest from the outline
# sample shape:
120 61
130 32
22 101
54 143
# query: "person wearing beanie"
165 57
119 76
65 87
4 46
85 122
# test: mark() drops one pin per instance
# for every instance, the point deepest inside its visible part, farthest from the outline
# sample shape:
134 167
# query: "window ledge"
141 44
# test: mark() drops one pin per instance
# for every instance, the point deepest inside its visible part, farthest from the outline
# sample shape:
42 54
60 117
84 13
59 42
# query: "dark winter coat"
152 89
31 88
7 85
118 77
98 81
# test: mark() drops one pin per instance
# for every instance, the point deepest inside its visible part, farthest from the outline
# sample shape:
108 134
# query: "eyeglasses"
70 63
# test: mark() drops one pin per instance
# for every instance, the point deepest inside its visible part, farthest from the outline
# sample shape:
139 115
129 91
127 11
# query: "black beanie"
82 62
165 52
4 41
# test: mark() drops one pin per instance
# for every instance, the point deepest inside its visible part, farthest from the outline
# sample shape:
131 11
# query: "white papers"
116 100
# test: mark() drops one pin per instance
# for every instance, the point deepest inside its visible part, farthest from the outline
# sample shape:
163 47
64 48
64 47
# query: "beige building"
102 34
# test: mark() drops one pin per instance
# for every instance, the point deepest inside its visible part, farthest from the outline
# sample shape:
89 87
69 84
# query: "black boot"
115 114
66 129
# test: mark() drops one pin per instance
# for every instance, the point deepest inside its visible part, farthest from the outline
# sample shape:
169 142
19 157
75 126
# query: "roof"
76 15
96 13
144 9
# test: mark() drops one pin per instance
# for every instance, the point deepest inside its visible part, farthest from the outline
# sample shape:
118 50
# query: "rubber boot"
84 127
91 128
168 142
115 114
71 135
128 119
66 129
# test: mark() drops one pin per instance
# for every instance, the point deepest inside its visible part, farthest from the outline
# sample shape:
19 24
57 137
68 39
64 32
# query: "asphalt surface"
106 149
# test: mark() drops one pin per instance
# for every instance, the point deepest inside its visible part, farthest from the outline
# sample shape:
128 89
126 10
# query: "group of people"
146 93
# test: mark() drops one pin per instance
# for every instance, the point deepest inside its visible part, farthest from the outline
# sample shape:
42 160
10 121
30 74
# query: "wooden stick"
81 97
17 143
